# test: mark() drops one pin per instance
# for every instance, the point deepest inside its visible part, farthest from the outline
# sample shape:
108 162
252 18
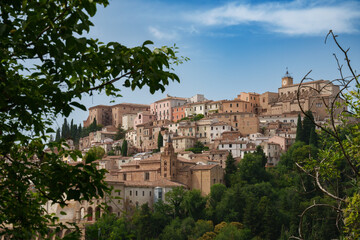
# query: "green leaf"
78 105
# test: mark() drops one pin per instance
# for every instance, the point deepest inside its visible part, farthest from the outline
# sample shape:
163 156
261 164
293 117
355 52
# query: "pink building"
143 117
284 142
162 109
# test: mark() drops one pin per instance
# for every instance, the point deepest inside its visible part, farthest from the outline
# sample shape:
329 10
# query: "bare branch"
109 82
345 53
323 189
338 210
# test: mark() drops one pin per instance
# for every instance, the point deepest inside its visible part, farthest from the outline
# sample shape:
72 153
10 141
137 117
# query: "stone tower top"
287 80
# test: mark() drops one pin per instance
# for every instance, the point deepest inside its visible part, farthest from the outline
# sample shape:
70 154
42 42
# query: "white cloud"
292 18
162 35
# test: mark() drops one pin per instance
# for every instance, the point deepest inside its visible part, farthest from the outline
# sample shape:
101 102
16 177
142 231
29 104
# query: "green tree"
251 169
216 192
94 153
47 64
109 227
124 148
120 134
160 141
313 140
308 126
194 204
230 169
175 198
299 130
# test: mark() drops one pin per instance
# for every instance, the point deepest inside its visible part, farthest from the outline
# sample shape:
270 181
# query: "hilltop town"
184 142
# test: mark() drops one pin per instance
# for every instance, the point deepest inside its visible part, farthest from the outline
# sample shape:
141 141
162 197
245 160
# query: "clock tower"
287 80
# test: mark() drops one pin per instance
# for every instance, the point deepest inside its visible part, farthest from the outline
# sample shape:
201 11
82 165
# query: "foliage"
109 227
94 153
299 130
198 148
120 134
194 204
252 168
160 141
67 131
175 198
193 118
335 168
230 169
124 148
352 217
47 65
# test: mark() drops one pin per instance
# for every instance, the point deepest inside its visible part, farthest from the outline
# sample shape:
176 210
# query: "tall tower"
168 161
287 80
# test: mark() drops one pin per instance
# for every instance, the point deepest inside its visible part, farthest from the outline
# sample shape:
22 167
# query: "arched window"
90 214
82 213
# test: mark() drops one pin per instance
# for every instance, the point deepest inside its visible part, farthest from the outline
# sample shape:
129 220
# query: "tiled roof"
203 167
157 183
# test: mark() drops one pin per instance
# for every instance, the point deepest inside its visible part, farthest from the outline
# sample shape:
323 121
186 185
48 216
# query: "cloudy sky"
233 46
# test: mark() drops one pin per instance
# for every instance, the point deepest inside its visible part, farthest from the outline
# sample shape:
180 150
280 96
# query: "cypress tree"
313 137
308 124
160 141
299 130
229 169
58 136
124 148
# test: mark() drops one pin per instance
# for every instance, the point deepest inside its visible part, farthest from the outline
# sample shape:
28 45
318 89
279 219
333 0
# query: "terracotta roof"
216 151
203 167
185 160
157 183
100 106
219 124
170 98
232 142
182 137
132 105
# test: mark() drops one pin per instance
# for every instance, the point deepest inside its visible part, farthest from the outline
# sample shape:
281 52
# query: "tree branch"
109 82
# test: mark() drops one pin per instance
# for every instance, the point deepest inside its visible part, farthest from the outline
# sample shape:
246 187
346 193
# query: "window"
147 176
230 105
130 193
135 193
124 176
230 145
143 193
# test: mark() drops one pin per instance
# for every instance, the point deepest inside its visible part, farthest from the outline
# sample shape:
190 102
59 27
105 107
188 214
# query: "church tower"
287 80
168 161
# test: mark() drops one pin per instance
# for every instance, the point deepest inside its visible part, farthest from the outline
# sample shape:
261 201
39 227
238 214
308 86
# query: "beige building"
112 115
245 123
181 143
314 96
128 121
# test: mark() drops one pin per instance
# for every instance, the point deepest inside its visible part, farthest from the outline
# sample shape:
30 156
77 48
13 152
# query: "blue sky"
233 46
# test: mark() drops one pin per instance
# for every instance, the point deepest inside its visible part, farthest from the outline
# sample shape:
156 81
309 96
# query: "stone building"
112 115
314 96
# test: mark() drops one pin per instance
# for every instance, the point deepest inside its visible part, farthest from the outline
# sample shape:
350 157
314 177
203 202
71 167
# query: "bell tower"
287 80
168 161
